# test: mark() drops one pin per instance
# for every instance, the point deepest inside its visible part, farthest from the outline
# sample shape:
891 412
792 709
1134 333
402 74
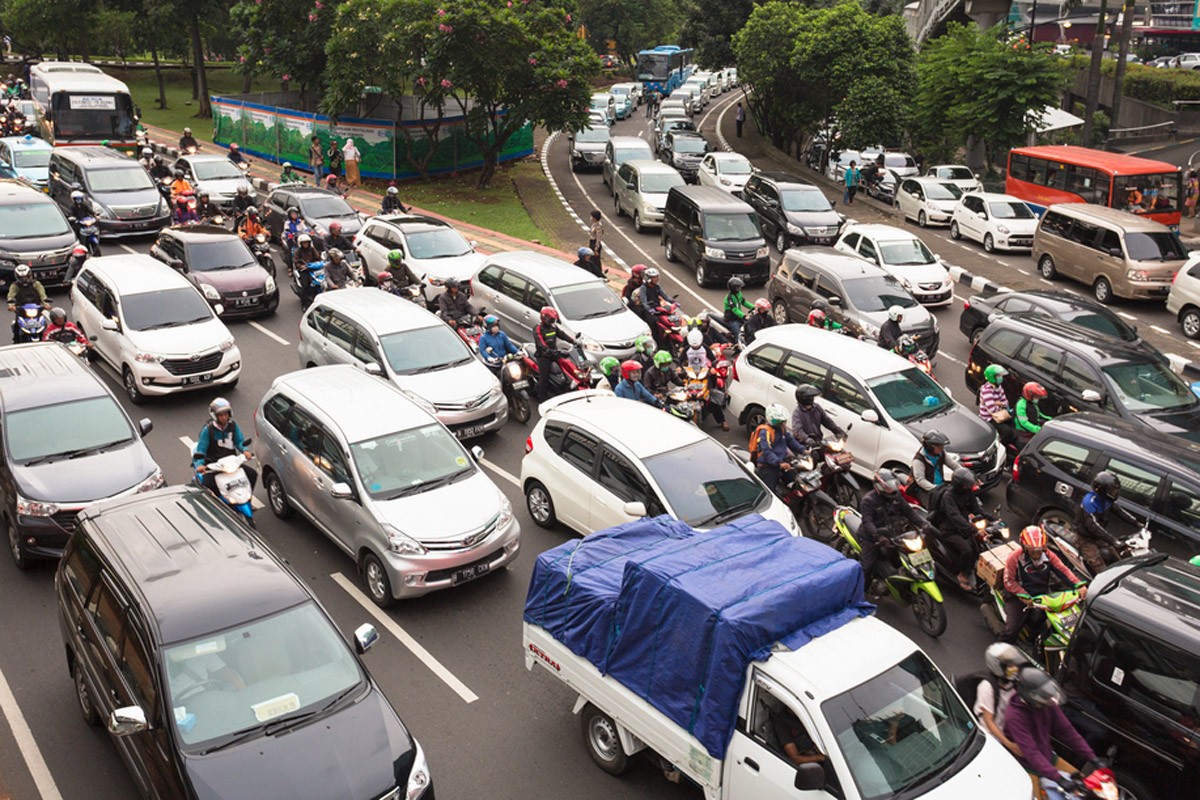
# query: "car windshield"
424 350
166 308
226 252
587 301
1148 386
905 253
942 191
660 183
877 293
910 395
32 220
600 103
804 200
898 160
253 679
215 170
1009 209
65 430
623 154
592 135
31 158
1105 324
901 728
1160 246
438 243
731 227
733 166
325 207
620 90
409 462
122 179
690 144
704 484
956 174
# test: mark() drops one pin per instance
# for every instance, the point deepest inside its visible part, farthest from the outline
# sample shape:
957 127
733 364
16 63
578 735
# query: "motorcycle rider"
205 208
338 239
774 443
993 403
698 361
400 271
332 184
337 270
23 291
662 376
391 202
183 213
1030 572
995 692
736 306
760 319
188 140
235 154
929 464
644 349
630 386
878 507
889 331
293 227
79 209
147 159
305 255
652 298
1029 418
242 201
631 290
180 186
545 342
494 343
952 512
1033 719
64 331
1096 544
809 419
453 304
250 225
586 260
289 175
610 368
219 437
817 318
160 170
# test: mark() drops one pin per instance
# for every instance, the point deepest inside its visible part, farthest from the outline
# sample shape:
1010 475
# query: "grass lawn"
181 109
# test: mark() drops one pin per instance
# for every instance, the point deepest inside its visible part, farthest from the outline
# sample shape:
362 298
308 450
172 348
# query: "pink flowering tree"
285 37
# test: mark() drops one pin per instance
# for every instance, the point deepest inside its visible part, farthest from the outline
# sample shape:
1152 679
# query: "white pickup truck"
862 705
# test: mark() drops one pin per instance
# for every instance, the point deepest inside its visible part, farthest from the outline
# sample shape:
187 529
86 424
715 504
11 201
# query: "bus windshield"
92 116
1145 193
652 66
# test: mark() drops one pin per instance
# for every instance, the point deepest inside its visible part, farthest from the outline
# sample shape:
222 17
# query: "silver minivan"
619 150
641 189
383 480
393 338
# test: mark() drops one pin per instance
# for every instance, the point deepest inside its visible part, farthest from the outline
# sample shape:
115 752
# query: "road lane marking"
406 639
1160 330
1193 344
268 333
128 249
1023 271
1126 315
1048 283
255 503
1002 263
949 357
28 746
501 472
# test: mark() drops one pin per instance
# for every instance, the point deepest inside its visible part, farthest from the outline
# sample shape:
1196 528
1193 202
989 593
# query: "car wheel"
603 742
617 206
637 223
989 244
921 221
1046 267
540 505
701 274
779 310
276 496
781 241
84 695
670 249
375 578
131 388
1189 320
1130 787
19 556
955 233
1103 291
1055 516
755 416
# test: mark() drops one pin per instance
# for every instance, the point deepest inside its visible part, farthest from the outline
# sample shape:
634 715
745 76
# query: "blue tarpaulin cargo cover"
687 615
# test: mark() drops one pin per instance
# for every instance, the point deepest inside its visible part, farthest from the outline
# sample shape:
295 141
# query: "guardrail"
1168 128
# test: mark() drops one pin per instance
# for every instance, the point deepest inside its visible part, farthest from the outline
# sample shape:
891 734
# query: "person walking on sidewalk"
740 119
316 158
351 156
1191 192
595 234
852 178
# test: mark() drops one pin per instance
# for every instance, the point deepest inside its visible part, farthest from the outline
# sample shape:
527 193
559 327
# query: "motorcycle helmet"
695 338
1033 391
490 321
934 438
452 283
76 196
158 161
393 191
806 394
776 414
303 239
243 190
644 344
631 370
964 478
335 229
994 374
293 210
651 273
1004 660
585 252
1105 483
895 313
638 271
548 315
219 405
233 146
736 284
820 305
662 359
58 316
180 175
1037 689
395 257
335 254
609 365
287 165
384 277
816 318
1033 537
23 273
252 212
187 131
908 344
147 152
762 305
885 482
203 195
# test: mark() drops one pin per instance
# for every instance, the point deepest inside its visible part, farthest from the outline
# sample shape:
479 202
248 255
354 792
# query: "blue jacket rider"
494 344
630 386
775 442
220 437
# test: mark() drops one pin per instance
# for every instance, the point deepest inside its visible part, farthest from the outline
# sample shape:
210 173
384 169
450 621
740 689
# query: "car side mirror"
372 368
810 777
870 415
630 185
741 453
365 637
1091 396
145 425
477 452
341 491
218 309
110 324
696 229
834 301
637 510
178 264
127 720
1114 251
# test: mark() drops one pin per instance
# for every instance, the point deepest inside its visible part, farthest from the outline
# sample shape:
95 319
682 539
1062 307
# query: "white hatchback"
728 171
929 201
960 176
997 221
595 460
903 255
1184 299
153 327
433 249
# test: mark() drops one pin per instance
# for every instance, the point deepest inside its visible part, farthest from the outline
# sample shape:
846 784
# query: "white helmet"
695 338
219 405
895 313
393 191
1004 660
303 239
776 414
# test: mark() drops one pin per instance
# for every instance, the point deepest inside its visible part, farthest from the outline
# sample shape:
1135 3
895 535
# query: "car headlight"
227 345
713 252
795 230
726 182
1138 275
100 211
269 285
155 481
506 513
210 292
421 401
762 252
418 778
401 544
1002 229
591 345
649 208
147 358
35 508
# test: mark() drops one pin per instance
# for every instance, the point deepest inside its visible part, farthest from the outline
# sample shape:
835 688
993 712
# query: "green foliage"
709 26
972 85
873 112
1161 86
633 24
62 26
285 38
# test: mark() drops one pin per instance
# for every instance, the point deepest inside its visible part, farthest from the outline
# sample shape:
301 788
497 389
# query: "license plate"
243 302
469 574
520 385
920 557
468 432
821 240
189 380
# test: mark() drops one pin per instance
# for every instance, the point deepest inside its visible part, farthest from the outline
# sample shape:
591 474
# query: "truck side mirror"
810 777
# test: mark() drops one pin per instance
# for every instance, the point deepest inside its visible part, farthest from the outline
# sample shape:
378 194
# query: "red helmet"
1033 391
816 318
628 368
638 270
384 277
335 228
549 314
1033 537
762 305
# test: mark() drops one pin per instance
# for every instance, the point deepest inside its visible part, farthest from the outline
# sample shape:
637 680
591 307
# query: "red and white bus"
1042 176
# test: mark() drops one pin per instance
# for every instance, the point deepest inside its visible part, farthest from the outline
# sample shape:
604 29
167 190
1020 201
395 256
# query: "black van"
33 231
120 190
715 234
214 668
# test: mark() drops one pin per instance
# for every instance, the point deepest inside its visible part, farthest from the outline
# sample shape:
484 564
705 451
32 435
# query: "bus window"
1019 167
1056 175
1037 171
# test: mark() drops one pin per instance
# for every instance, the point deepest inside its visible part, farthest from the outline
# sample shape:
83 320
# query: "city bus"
663 69
79 104
1042 176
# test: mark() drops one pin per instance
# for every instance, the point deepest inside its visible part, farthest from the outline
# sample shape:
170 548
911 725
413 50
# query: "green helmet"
662 358
395 256
994 374
644 344
608 364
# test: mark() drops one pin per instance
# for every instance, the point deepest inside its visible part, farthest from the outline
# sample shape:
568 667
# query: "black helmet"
819 305
58 316
1037 689
963 478
1107 484
806 393
179 173
934 438
452 283
886 482
736 284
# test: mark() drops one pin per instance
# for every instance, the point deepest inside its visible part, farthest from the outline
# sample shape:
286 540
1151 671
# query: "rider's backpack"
934 503
967 687
753 447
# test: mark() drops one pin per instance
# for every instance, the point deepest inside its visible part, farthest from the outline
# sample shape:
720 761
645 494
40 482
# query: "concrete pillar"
987 13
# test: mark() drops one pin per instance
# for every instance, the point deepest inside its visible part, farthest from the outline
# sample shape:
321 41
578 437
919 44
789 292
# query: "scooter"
989 531
836 478
1063 541
1046 644
912 579
233 484
799 487
89 234
32 322
469 330
514 380
677 403
314 273
1100 783
260 245
669 329
696 387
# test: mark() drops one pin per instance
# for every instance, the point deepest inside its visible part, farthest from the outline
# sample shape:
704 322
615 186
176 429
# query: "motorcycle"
89 234
921 361
574 370
32 322
836 478
260 245
1100 783
912 579
1045 643
314 273
697 389
514 380
233 484
1064 542
800 489
723 356
669 329
678 405
989 531
468 329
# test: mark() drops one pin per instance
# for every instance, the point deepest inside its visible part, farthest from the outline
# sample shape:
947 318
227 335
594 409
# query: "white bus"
79 104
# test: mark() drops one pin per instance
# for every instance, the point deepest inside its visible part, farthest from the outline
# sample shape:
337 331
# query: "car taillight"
733 371
1016 470
966 304
528 444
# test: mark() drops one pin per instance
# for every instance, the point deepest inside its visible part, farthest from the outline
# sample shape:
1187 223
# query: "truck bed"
642 726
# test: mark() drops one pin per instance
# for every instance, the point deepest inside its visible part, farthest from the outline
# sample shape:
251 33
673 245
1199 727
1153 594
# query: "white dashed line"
1002 263
127 248
949 357
28 746
1193 344
1023 271
1126 315
1048 283
1160 329
501 472
269 334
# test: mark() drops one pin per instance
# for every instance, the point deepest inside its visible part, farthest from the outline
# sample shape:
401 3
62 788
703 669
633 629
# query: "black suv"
792 210
33 231
67 444
122 194
1160 477
1083 371
1132 675
213 666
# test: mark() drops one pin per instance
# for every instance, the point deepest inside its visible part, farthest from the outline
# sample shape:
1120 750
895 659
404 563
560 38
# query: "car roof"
647 166
712 198
30 142
40 373
640 428
362 405
628 141
384 312
195 567
411 223
927 179
995 197
135 273
194 157
15 191
720 155
192 234
843 265
547 270
785 179
878 231
1155 595
1168 453
95 157
868 359
303 191
1114 216
1067 336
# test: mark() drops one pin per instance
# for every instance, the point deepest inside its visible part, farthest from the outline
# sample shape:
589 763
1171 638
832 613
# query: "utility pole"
1093 83
1119 83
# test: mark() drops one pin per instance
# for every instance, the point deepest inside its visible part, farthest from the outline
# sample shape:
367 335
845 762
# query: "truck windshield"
901 729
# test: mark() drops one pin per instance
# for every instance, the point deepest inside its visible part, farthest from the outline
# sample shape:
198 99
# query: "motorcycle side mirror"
110 324
93 338
1091 396
870 415
636 510
145 425
477 452
247 441
365 637
341 491
374 369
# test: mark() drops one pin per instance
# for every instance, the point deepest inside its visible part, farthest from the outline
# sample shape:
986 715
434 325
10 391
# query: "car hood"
624 326
1185 424
89 478
814 219
39 175
916 319
1018 226
475 501
919 273
735 181
966 431
124 200
946 206
251 276
462 267
992 774
350 225
589 147
37 244
462 383
361 751
184 340
656 199
224 186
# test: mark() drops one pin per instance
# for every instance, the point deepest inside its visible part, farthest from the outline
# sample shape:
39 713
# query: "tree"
973 86
633 24
62 26
709 26
114 31
287 38
873 112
